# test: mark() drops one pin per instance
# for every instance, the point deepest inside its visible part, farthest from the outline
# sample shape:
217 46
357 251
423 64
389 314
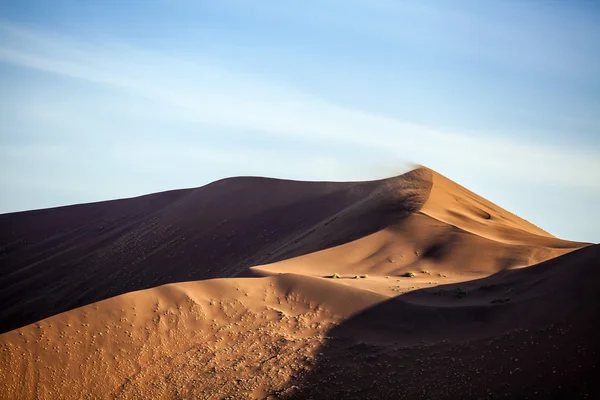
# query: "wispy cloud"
199 90
520 35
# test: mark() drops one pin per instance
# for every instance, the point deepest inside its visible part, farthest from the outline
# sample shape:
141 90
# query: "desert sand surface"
252 288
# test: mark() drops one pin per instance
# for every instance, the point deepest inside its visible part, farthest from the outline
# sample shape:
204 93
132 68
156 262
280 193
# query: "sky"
111 99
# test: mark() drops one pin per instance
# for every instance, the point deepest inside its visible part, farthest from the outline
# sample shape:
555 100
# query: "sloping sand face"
189 340
58 259
455 205
437 293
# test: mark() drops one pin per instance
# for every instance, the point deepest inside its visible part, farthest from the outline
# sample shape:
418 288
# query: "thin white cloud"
198 91
518 35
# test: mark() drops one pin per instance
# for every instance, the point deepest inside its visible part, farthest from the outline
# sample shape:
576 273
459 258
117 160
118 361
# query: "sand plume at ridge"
455 235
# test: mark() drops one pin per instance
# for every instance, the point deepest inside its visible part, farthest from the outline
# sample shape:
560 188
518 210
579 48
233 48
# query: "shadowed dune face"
524 333
410 287
58 259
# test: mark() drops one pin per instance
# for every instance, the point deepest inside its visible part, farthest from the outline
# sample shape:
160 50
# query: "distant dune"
409 287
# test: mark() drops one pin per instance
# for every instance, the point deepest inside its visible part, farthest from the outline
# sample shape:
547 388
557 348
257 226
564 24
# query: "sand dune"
440 294
58 259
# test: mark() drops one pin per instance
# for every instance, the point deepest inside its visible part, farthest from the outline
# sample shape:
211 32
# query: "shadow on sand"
528 333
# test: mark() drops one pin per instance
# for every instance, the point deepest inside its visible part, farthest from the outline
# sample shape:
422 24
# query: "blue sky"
110 99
